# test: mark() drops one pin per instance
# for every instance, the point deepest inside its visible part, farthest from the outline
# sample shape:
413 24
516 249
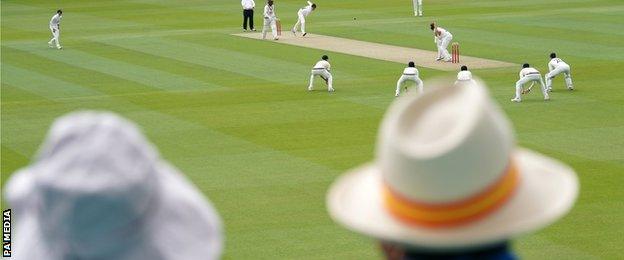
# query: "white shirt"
56 20
410 71
248 4
322 64
443 32
269 11
306 10
556 62
464 75
526 71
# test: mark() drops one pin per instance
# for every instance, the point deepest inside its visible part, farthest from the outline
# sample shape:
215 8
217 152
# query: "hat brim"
547 191
181 225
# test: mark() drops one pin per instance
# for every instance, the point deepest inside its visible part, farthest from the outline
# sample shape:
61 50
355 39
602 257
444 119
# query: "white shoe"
59 47
396 94
516 100
546 98
310 88
571 88
331 90
419 14
50 45
438 58
293 31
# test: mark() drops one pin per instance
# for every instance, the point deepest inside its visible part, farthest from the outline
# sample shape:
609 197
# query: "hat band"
454 213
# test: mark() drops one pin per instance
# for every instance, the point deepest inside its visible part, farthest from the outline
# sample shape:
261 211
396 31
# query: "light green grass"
234 115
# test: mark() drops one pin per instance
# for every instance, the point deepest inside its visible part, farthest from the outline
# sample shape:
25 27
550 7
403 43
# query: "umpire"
248 10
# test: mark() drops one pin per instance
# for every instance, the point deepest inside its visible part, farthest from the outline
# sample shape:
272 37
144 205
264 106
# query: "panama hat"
98 190
447 175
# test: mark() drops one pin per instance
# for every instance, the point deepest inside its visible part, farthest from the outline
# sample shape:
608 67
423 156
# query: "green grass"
234 115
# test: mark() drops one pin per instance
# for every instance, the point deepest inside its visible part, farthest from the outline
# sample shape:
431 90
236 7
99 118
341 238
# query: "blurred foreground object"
99 190
449 182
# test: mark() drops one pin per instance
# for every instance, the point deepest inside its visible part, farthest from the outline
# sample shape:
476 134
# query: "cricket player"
529 74
464 77
418 8
442 38
557 66
322 69
302 14
270 20
409 74
55 27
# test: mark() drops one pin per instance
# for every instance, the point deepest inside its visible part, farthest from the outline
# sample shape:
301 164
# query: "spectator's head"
526 65
99 190
411 64
449 181
553 55
463 68
325 57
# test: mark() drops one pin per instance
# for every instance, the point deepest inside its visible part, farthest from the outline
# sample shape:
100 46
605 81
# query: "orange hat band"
454 213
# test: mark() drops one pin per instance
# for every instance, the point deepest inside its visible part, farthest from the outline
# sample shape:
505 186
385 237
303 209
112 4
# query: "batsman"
270 20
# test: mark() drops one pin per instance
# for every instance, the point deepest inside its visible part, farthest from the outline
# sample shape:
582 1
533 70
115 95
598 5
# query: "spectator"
99 190
448 181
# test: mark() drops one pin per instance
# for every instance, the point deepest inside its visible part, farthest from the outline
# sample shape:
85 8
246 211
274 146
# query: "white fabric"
98 190
248 4
56 20
306 10
443 40
272 24
443 146
418 7
269 12
323 64
533 79
526 71
464 75
556 67
300 22
404 78
56 34
324 73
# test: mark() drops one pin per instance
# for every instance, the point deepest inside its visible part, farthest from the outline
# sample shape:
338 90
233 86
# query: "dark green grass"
233 113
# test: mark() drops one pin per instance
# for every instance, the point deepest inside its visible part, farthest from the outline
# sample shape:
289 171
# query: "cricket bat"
279 27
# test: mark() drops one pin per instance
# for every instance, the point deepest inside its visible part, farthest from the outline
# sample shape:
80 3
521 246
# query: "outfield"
233 113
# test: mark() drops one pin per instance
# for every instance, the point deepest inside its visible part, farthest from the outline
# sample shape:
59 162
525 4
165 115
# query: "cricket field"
234 115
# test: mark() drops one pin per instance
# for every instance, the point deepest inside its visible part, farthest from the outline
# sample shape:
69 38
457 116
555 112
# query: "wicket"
455 52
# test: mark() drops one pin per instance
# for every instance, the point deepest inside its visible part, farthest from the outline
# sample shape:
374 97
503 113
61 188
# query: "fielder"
270 20
528 74
464 77
557 66
55 27
322 69
418 8
442 38
409 74
302 14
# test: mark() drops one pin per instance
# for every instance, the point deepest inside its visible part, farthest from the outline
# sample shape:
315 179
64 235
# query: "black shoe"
304 34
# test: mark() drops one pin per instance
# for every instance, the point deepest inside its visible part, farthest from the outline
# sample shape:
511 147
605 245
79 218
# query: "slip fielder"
529 74
410 73
557 66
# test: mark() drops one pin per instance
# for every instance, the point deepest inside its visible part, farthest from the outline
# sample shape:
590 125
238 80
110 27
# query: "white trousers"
269 23
565 69
442 47
418 7
56 33
321 72
533 78
404 78
300 22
